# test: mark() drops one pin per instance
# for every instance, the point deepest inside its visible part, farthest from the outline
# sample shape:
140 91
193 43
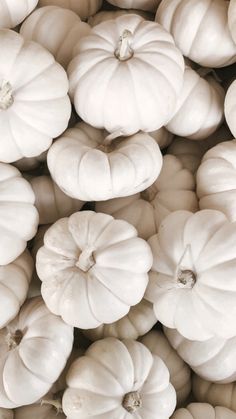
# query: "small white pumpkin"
93 268
34 105
84 8
118 380
139 320
113 14
85 167
230 107
232 18
112 83
173 190
34 349
180 373
203 411
13 12
200 29
65 28
200 107
150 5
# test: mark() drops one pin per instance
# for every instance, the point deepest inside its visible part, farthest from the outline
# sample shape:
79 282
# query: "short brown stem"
6 96
124 51
132 401
14 339
186 278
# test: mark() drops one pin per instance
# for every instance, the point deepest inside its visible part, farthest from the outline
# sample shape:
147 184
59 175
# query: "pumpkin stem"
6 96
86 260
124 51
56 403
185 277
13 339
132 401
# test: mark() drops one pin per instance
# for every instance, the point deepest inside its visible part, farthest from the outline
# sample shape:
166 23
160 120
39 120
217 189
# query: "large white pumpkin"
34 349
200 29
34 105
65 29
232 18
230 107
150 5
192 281
126 76
13 12
93 268
203 411
18 215
84 167
118 380
84 8
173 190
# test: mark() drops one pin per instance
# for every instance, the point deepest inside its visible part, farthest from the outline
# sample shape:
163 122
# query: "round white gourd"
13 12
84 8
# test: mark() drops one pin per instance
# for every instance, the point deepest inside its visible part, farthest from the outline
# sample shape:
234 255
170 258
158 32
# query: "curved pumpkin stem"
6 96
124 51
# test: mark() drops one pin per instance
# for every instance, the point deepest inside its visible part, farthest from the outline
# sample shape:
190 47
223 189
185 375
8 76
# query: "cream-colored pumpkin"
216 179
232 18
150 5
203 411
34 105
216 394
14 284
13 12
213 359
200 29
84 167
118 380
84 8
34 349
200 107
230 107
65 28
18 215
93 268
173 190
113 14
112 83
139 320
51 202
180 373
192 281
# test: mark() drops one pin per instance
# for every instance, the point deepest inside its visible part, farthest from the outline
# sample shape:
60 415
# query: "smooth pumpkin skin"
180 373
139 320
213 359
216 179
65 27
113 92
84 168
51 202
93 268
200 29
13 12
193 256
99 381
84 8
37 107
232 19
150 5
16 194
45 338
203 411
213 393
200 107
173 190
230 107
105 15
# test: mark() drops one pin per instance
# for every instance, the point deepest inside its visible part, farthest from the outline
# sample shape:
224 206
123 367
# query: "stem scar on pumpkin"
13 339
186 277
132 401
124 51
6 95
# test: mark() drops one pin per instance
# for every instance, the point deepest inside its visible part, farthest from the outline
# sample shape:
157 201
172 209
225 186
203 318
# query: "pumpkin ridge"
199 27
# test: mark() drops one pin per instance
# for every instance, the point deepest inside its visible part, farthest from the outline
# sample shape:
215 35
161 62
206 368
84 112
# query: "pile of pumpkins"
117 209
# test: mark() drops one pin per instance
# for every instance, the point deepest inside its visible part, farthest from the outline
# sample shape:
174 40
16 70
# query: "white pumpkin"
200 29
112 83
84 167
34 349
65 28
84 8
18 215
180 373
51 202
200 107
13 12
14 284
230 107
192 281
232 18
203 411
113 14
118 380
216 179
213 359
93 268
139 320
173 190
34 105
216 394
150 5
